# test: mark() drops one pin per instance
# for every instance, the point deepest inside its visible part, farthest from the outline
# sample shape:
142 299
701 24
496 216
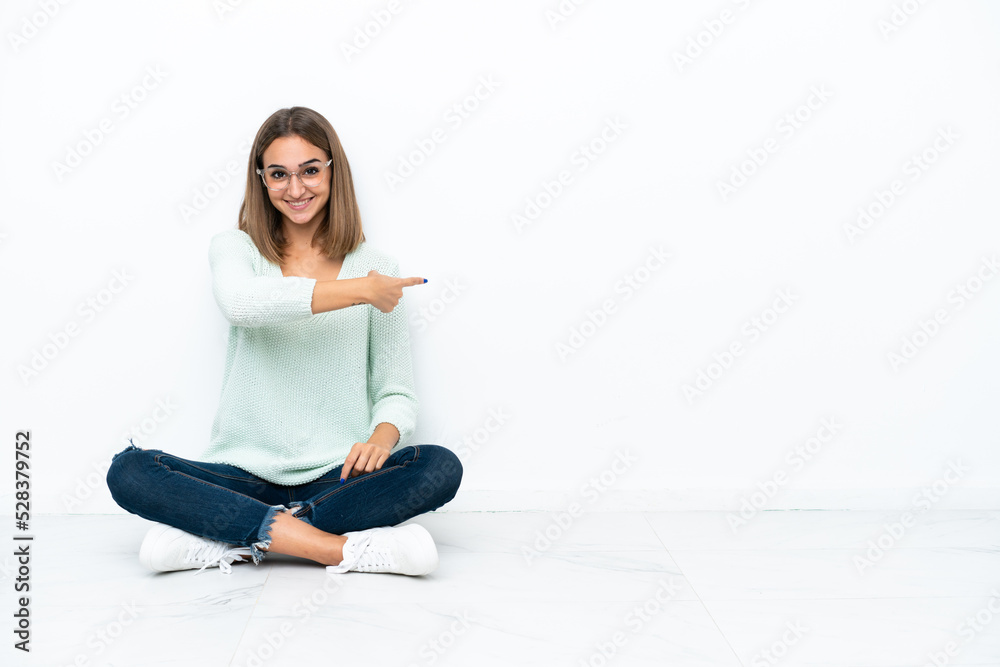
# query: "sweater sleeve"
390 371
249 300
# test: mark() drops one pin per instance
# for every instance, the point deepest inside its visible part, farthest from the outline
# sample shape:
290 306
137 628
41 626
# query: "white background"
521 292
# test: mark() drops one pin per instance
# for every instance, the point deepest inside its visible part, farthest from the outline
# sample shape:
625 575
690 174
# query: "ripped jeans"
226 503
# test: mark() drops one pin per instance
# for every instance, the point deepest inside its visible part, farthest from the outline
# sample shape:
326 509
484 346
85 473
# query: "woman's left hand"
363 457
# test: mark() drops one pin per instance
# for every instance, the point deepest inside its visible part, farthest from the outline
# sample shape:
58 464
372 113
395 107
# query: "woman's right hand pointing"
385 292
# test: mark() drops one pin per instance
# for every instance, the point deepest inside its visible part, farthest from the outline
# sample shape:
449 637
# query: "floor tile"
815 529
879 631
835 573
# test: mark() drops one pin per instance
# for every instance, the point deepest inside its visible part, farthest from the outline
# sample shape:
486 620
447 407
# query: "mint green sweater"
299 389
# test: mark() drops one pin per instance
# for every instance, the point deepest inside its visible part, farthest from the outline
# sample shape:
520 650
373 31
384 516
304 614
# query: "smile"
300 204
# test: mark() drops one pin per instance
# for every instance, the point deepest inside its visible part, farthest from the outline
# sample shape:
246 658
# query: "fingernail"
425 279
341 480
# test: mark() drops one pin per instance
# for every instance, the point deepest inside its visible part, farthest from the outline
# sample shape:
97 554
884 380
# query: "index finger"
345 469
410 282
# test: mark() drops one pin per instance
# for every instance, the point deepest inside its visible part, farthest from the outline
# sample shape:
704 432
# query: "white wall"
521 292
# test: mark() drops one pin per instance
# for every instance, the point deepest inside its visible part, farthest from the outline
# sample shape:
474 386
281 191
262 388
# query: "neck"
299 237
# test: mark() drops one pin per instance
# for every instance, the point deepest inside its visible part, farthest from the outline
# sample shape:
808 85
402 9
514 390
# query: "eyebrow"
301 164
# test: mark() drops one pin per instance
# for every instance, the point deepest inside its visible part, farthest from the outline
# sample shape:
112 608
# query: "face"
299 205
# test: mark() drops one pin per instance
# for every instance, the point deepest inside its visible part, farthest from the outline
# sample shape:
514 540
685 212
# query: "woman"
298 462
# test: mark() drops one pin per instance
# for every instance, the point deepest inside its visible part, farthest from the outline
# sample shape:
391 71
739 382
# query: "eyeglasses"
276 178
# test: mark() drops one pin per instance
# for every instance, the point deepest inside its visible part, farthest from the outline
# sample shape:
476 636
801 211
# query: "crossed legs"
226 503
295 537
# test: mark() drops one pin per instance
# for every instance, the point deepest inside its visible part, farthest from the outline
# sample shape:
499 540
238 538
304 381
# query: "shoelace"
211 552
363 557
353 555
377 560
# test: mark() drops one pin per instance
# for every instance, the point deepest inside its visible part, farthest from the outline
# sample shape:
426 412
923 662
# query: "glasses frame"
294 173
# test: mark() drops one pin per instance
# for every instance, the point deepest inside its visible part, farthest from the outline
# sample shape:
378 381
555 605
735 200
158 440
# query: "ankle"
335 550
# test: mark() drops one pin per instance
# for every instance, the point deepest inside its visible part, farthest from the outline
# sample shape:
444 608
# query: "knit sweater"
299 389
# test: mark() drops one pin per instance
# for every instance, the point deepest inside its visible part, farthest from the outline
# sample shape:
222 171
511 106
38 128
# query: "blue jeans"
226 503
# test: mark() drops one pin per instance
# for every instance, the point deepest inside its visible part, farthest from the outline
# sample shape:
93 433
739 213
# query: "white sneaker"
406 549
166 548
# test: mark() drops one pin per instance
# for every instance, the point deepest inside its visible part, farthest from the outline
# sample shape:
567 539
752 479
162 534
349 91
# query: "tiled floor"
608 589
